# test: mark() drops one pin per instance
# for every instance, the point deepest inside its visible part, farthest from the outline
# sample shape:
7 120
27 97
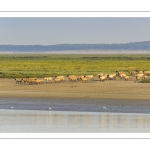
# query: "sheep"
140 72
32 80
103 78
126 77
145 77
110 76
80 77
115 75
73 78
84 79
18 81
57 80
100 75
138 78
25 80
122 75
146 72
140 75
39 81
62 78
48 79
89 77
119 72
133 72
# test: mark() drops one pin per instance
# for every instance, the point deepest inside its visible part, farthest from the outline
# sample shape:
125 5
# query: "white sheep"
140 72
79 77
48 79
70 77
126 77
103 78
111 76
122 75
19 80
138 78
62 78
57 80
39 81
145 77
140 75
73 79
146 72
89 77
84 79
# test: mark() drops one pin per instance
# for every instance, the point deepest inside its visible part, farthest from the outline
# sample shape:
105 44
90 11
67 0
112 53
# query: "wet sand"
116 89
115 92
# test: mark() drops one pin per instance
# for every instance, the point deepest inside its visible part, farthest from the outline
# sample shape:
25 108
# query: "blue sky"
49 31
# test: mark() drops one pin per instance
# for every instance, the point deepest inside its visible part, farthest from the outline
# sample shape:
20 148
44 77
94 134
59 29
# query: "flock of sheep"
56 79
140 75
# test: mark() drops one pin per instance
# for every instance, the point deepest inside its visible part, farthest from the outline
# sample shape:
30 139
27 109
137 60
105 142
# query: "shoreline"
77 105
117 92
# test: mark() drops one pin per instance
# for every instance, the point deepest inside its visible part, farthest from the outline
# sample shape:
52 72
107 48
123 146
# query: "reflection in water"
57 121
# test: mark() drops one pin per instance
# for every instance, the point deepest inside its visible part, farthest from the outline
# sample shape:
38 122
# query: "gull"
49 108
11 107
104 107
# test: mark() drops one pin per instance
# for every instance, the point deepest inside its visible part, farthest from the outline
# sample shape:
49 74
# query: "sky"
71 30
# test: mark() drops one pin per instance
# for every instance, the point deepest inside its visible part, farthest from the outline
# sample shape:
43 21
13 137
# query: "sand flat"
117 89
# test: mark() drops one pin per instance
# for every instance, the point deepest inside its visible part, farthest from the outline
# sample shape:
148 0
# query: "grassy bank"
145 81
40 65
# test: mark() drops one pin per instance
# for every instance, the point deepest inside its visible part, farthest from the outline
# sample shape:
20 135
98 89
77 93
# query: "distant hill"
77 47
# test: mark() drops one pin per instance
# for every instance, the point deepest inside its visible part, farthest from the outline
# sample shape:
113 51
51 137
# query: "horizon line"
72 44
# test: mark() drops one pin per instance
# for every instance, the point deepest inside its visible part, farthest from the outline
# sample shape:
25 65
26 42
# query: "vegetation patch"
41 65
145 81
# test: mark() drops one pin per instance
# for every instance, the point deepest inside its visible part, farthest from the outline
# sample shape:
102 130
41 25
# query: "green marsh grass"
145 81
41 65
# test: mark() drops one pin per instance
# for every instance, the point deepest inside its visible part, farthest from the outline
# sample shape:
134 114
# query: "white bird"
49 108
11 107
104 107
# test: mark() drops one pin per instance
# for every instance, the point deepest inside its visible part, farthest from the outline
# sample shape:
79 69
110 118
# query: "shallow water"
34 116
35 121
70 105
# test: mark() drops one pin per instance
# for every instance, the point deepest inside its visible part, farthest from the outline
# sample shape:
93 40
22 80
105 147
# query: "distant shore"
79 52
